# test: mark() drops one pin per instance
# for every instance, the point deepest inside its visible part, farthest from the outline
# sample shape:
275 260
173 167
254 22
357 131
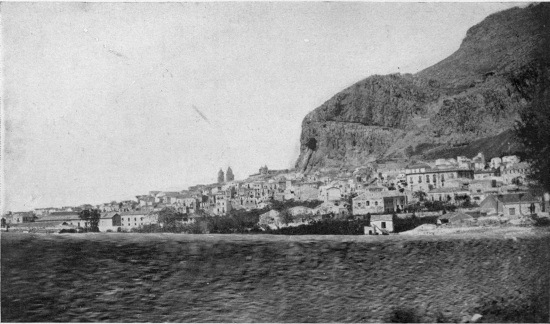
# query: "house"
329 193
417 168
279 196
135 219
306 191
478 161
480 189
435 178
450 195
369 230
191 204
44 211
516 173
381 224
495 163
63 218
20 217
464 162
379 202
169 197
511 205
446 163
484 174
110 221
146 200
222 206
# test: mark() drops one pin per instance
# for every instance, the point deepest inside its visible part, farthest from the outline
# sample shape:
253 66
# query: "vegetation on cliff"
476 93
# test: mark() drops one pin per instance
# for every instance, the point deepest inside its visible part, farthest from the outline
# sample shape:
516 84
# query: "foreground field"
226 278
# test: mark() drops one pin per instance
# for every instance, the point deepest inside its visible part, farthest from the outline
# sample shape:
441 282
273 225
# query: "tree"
533 130
286 217
409 152
169 218
350 202
92 217
420 195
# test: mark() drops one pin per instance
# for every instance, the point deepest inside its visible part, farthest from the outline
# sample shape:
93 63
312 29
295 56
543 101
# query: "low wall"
226 278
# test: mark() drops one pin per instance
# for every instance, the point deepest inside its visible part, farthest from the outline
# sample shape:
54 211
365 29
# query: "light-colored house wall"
382 224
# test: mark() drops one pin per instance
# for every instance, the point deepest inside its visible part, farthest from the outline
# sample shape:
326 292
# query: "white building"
378 202
381 223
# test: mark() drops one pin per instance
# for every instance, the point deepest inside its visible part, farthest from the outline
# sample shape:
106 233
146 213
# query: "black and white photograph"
275 162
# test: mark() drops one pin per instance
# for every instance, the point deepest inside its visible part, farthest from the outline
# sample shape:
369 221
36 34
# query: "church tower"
220 176
229 175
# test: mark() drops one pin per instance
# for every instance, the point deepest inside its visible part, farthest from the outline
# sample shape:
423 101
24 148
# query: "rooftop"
375 218
522 197
446 190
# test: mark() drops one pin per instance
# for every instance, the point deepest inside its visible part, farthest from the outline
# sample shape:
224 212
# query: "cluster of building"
376 189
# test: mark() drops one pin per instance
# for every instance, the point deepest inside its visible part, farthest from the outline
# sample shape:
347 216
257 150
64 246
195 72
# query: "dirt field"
259 278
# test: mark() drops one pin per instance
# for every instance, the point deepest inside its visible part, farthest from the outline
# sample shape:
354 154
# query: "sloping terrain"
476 93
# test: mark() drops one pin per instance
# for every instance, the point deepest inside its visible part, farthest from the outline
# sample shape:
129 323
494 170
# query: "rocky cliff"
473 97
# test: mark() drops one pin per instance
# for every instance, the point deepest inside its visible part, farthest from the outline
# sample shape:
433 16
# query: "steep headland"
470 100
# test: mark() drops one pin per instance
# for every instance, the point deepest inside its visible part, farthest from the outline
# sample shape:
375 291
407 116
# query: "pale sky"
106 101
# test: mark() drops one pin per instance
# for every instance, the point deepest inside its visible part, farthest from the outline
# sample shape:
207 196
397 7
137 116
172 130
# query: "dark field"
236 278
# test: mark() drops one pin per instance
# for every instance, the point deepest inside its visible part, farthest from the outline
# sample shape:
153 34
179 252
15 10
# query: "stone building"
229 175
220 176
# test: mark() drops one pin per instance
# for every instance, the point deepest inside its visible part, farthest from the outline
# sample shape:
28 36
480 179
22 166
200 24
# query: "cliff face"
476 93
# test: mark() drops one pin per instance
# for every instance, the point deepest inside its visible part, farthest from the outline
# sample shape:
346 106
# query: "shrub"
325 227
67 230
540 221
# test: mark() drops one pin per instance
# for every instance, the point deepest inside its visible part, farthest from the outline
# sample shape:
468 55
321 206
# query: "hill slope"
474 94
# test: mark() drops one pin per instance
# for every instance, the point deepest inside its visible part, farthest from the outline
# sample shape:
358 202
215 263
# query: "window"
376 203
383 224
419 179
368 203
427 178
512 211
434 178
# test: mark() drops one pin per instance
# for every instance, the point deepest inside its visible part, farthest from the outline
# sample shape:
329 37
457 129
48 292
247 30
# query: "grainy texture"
474 94
228 278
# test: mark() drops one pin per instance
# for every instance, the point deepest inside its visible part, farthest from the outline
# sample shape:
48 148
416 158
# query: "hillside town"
472 187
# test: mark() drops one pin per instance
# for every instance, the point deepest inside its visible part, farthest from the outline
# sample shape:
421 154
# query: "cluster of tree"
92 217
325 227
407 224
282 205
237 221
350 226
533 130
